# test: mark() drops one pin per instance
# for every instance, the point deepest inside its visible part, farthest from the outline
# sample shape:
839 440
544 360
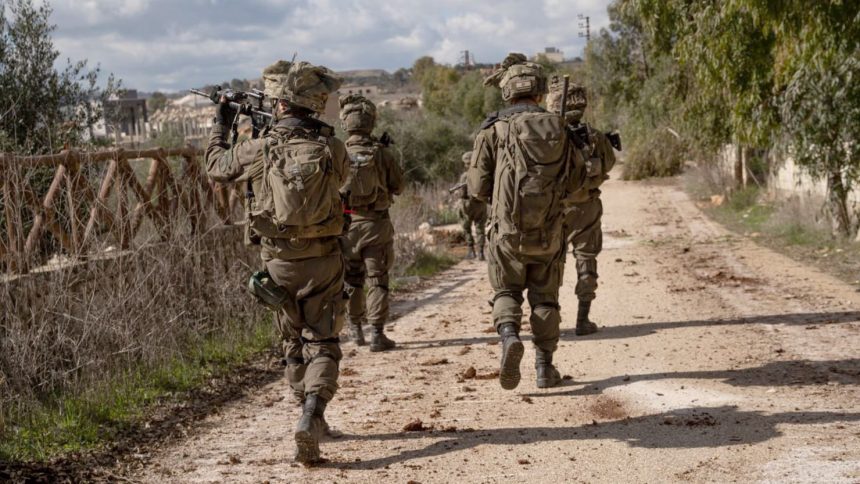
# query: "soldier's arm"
394 174
225 163
605 152
340 161
482 168
578 174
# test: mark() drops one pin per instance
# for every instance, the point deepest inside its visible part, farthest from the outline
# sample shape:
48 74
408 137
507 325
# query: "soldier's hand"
224 113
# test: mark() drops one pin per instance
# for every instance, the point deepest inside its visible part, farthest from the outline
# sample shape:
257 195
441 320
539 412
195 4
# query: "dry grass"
75 332
421 204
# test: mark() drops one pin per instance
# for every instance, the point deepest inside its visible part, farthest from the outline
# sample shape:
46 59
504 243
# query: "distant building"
126 114
369 91
551 54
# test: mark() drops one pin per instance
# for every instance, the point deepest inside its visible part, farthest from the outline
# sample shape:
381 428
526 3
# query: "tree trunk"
837 202
739 167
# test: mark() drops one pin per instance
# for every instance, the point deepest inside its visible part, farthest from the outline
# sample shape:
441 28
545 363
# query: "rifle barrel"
245 109
563 109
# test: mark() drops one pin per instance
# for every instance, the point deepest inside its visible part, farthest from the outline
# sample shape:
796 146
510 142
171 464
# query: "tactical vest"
298 196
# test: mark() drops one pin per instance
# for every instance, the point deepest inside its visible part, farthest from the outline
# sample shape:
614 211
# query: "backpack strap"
509 111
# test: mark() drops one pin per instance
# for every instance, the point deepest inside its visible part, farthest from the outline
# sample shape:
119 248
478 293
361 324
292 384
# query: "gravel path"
717 361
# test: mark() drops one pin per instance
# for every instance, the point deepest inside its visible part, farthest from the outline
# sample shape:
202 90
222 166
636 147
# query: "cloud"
176 44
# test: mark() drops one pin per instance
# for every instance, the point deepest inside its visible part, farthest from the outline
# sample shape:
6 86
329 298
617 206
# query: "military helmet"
304 84
518 78
357 113
576 95
467 157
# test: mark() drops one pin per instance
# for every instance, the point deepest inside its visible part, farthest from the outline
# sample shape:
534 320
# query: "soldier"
525 165
472 212
296 215
374 179
584 208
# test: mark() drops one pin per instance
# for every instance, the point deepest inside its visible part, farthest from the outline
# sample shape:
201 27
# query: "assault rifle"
580 137
245 103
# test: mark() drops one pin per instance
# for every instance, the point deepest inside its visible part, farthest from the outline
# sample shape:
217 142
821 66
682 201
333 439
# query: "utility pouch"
266 291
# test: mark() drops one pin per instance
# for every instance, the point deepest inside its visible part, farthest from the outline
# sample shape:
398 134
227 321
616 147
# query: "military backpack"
299 195
531 178
364 183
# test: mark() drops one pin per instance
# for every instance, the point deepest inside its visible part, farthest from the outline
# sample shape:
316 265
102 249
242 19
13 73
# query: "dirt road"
718 360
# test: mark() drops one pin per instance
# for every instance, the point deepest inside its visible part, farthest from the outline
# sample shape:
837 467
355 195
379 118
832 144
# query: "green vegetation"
684 78
789 228
72 422
432 140
428 263
43 108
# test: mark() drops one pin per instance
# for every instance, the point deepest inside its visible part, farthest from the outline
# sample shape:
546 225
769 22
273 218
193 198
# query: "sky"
172 45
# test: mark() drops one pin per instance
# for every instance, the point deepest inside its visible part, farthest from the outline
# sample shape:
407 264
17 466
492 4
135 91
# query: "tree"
157 101
44 109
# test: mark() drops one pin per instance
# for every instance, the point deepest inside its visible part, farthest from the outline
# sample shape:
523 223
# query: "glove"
225 114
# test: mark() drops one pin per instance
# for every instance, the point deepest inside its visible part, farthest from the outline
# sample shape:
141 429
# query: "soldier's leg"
507 277
318 285
587 245
294 360
480 231
356 306
543 282
378 260
467 234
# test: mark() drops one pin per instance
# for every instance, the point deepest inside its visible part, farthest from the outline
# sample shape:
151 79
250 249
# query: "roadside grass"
429 263
789 227
70 423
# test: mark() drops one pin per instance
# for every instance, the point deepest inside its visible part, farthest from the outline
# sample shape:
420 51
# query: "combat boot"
512 354
481 256
309 429
378 340
356 334
584 326
547 375
323 424
471 253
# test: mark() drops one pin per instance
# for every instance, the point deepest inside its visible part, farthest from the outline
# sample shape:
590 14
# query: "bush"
655 155
430 146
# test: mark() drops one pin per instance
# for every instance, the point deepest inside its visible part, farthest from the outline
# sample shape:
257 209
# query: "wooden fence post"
12 213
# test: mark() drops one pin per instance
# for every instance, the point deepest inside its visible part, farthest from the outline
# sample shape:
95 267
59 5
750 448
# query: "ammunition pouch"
266 291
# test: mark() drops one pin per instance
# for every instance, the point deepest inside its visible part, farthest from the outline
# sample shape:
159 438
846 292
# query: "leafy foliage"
756 72
43 109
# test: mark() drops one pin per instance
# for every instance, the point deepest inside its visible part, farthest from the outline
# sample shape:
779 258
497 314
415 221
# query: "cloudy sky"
175 44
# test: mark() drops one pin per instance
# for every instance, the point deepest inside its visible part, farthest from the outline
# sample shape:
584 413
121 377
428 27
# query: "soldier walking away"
584 209
525 165
295 213
472 212
374 179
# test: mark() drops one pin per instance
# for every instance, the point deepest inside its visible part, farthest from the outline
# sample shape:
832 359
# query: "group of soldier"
318 208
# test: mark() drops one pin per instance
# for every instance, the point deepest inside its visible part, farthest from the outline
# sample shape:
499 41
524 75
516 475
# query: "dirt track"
718 360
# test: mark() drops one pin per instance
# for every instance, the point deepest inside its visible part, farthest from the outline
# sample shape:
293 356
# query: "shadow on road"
777 373
645 329
439 293
703 427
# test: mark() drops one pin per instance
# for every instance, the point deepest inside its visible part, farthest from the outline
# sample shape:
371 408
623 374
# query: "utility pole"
585 27
467 59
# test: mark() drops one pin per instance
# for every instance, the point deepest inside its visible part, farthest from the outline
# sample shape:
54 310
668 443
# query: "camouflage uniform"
522 260
472 212
369 244
307 264
584 208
